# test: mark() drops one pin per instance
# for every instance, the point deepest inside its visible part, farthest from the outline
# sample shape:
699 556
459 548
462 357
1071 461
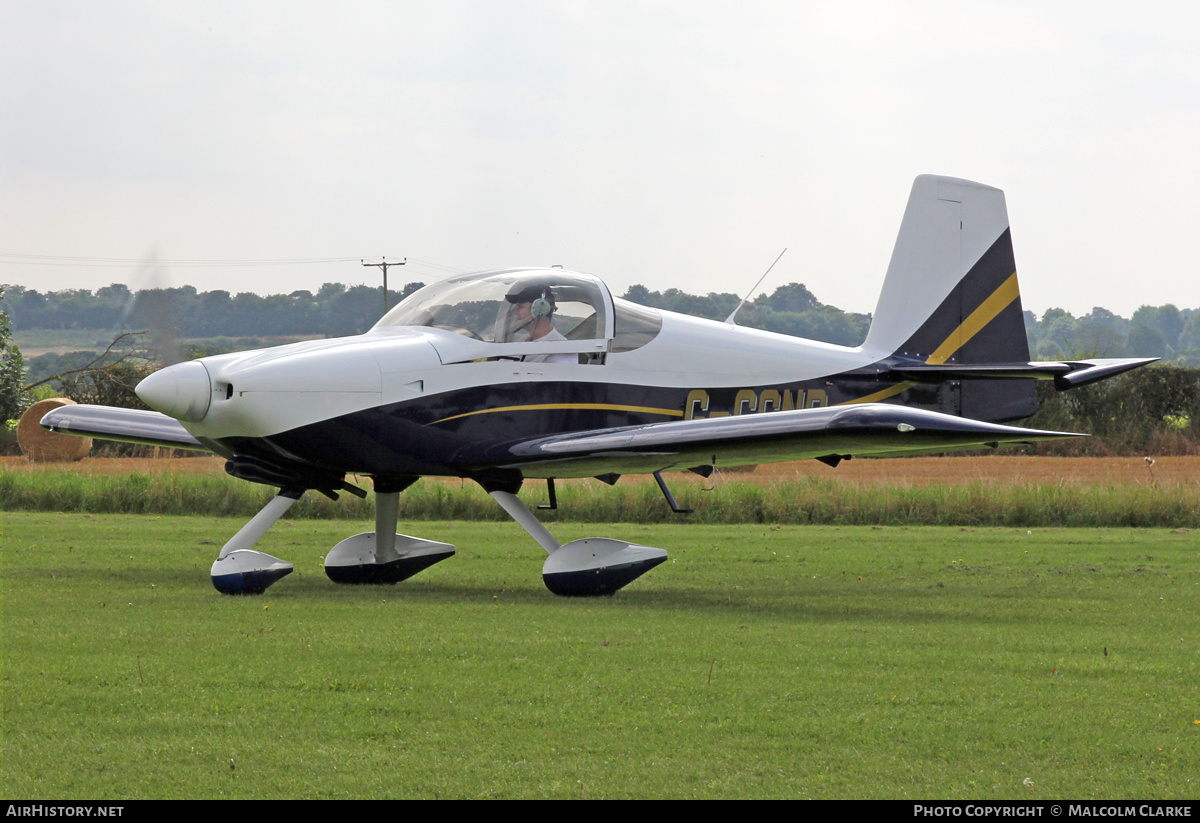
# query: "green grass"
34 342
797 661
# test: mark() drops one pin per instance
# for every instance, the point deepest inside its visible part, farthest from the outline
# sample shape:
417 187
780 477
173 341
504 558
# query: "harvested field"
912 471
921 471
117 465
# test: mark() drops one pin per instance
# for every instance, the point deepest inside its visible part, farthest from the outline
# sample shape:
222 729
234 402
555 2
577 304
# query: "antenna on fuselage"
729 319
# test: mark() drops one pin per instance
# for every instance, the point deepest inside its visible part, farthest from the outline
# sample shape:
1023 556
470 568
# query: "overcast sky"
673 144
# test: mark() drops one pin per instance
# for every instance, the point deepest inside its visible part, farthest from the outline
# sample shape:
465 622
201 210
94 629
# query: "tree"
111 385
352 311
1168 320
1147 340
794 297
637 293
1059 334
1189 338
108 379
12 370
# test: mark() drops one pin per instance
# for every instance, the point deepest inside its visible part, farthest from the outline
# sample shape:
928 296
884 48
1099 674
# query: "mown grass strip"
824 662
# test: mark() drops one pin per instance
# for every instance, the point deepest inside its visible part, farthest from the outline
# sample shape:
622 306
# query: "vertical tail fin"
951 294
951 289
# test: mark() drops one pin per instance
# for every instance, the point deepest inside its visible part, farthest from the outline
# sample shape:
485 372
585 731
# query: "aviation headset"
539 298
542 306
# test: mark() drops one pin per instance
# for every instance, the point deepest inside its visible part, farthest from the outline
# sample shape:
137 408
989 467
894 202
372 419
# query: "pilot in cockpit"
533 306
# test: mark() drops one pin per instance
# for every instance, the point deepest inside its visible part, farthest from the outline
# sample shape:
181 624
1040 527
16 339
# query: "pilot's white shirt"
552 336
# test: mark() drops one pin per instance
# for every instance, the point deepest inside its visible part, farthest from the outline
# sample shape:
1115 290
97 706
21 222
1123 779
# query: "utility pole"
384 265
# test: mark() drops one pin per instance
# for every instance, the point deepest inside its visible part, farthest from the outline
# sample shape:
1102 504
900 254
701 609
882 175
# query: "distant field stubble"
960 491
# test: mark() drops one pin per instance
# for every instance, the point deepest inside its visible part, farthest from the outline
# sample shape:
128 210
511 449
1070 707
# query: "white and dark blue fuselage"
429 401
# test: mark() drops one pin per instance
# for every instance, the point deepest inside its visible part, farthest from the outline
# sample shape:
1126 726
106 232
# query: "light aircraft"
456 381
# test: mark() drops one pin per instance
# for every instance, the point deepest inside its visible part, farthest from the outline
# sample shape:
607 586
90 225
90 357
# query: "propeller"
151 308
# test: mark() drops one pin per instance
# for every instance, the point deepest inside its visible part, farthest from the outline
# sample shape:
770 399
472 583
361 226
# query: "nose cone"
182 391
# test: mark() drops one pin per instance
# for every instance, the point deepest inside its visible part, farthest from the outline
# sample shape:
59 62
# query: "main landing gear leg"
382 556
239 569
582 568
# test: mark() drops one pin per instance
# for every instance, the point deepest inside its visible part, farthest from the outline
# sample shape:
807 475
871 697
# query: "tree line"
1153 331
336 309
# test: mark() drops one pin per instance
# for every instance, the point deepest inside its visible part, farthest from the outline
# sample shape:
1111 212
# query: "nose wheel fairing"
362 559
383 557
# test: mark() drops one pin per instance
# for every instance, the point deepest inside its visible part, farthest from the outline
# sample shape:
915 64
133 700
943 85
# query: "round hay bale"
42 446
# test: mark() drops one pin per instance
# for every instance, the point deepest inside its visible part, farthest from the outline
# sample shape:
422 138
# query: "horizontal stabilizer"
126 425
1065 374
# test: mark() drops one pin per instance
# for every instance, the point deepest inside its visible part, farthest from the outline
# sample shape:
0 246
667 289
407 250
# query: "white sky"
673 144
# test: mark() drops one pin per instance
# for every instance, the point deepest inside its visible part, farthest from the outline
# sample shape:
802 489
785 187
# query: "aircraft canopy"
483 305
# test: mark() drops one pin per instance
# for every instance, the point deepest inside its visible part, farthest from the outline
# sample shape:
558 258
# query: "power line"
119 262
426 270
111 262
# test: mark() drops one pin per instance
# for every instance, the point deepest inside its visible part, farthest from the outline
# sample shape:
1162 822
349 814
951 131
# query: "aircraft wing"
829 434
127 425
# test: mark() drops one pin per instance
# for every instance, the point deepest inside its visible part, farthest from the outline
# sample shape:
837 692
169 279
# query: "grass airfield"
759 661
